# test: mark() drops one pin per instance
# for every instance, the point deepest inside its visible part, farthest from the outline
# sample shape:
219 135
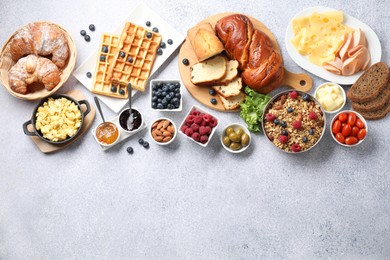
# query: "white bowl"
155 81
104 144
174 135
134 130
343 96
358 116
201 111
235 126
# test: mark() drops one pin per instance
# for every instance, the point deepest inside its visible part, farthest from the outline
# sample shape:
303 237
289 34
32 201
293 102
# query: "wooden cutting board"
88 120
300 82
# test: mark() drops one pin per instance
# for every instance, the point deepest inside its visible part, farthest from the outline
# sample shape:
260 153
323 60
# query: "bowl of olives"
235 138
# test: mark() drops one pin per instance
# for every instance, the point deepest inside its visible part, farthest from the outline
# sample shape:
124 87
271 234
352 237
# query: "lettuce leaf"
252 109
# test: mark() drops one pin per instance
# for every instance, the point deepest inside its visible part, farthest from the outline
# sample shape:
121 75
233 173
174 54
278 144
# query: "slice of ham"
358 38
334 66
343 53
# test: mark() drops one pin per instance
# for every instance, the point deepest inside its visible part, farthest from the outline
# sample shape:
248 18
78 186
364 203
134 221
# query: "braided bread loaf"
261 65
43 39
30 69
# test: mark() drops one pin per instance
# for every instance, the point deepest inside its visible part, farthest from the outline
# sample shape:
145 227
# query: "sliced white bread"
230 90
231 73
231 103
208 71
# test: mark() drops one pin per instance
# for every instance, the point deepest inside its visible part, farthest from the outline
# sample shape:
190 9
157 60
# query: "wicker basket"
6 63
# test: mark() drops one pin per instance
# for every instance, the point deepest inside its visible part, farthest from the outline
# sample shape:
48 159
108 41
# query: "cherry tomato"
340 138
351 140
362 133
343 117
351 119
336 128
359 123
355 131
347 130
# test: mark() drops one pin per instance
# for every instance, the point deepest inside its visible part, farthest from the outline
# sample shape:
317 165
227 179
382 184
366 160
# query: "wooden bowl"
36 91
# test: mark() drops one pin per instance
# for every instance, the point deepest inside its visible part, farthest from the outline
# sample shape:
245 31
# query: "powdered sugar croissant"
32 69
43 39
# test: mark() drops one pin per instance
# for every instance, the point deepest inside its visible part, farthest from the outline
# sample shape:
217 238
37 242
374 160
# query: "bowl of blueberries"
166 95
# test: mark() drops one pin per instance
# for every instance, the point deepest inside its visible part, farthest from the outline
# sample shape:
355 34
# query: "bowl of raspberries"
199 126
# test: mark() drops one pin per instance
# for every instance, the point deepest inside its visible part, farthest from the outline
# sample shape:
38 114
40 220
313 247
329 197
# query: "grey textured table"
184 201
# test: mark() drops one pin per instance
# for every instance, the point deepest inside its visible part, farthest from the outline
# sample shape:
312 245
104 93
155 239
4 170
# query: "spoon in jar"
99 108
130 119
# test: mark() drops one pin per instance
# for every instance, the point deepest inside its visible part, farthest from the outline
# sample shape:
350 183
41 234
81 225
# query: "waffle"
134 44
101 84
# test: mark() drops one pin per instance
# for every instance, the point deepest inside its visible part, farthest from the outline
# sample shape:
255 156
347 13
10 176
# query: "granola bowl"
294 121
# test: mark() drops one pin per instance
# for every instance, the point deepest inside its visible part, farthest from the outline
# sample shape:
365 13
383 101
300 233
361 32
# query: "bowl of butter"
331 96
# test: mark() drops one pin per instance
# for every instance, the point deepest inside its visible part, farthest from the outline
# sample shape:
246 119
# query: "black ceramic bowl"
56 96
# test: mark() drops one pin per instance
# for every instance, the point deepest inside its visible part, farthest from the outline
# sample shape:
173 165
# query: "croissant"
43 39
261 65
30 69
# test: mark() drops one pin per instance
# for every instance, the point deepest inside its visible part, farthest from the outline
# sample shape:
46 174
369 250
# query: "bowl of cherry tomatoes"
349 128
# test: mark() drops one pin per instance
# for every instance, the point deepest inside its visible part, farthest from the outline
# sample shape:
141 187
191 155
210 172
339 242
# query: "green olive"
245 139
229 130
234 137
235 146
226 141
239 132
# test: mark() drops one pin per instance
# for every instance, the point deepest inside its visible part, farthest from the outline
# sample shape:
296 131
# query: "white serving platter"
374 47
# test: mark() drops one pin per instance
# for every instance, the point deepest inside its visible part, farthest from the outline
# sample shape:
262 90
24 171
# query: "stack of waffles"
124 59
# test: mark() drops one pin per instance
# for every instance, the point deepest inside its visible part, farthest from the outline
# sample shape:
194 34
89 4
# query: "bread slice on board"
230 90
375 104
370 84
208 71
204 41
376 114
232 102
231 73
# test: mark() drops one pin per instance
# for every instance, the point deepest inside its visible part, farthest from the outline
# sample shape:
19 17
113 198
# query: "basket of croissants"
36 60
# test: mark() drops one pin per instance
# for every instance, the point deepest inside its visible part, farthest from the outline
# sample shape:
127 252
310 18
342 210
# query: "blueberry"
290 109
154 105
164 101
305 139
213 101
121 91
87 38
104 49
306 97
92 27
176 104
145 145
149 35
171 106
177 90
163 94
160 106
276 121
212 92
148 23
113 88
154 98
163 45
170 42
172 87
83 32
177 85
155 29
130 150
159 51
174 100
159 100
168 98
102 58
172 94
311 131
186 61
284 132
141 141
178 95
130 59
89 74
122 54
159 84
283 124
165 88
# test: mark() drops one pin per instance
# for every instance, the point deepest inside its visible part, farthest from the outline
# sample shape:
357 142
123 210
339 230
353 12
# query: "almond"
166 123
167 139
158 132
171 129
155 125
159 138
166 133
160 125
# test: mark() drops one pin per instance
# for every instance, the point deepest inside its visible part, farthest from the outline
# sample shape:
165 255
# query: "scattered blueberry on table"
212 92
145 144
83 32
89 74
87 38
186 61
148 23
213 101
159 51
91 27
163 45
170 42
141 141
155 29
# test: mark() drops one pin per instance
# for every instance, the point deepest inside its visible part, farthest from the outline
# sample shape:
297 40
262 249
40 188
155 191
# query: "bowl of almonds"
163 131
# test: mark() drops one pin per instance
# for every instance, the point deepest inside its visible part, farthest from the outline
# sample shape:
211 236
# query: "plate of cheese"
331 44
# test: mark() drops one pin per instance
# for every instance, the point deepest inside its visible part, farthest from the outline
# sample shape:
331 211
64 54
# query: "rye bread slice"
370 84
375 104
377 114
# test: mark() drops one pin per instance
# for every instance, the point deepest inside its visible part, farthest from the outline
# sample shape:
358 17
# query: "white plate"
374 46
139 15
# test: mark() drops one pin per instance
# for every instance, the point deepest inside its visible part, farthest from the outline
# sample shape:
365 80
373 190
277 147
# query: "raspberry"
208 128
297 124
195 112
190 119
189 131
195 127
293 94
204 123
283 139
213 122
203 130
183 128
312 115
296 147
196 136
270 117
198 119
207 117
204 139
